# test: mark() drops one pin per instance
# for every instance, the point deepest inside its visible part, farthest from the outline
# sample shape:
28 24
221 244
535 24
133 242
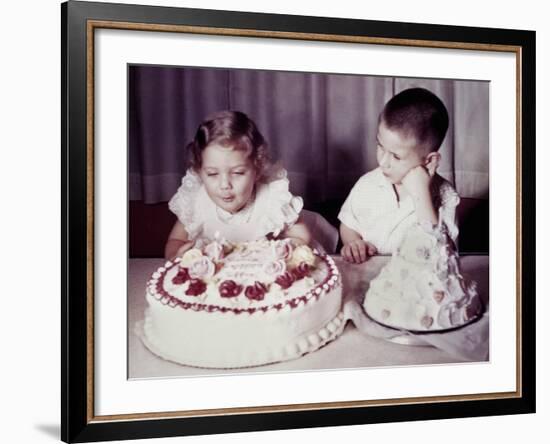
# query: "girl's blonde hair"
232 129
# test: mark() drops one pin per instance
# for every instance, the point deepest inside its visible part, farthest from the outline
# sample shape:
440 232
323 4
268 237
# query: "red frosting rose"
255 292
285 280
196 287
301 271
229 289
181 277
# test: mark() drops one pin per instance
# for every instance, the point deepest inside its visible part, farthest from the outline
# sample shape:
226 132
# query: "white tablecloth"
353 349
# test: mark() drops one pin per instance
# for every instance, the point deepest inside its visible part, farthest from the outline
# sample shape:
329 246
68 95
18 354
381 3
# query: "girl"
231 191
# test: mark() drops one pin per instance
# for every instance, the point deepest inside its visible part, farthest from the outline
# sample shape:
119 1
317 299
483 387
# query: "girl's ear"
432 162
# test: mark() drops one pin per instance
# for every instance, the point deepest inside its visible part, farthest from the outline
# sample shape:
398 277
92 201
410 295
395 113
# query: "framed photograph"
275 221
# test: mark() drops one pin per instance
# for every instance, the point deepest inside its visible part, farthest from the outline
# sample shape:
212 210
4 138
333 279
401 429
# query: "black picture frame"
78 423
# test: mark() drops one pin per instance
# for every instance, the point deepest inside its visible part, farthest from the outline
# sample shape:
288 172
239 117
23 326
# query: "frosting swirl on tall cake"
422 288
246 304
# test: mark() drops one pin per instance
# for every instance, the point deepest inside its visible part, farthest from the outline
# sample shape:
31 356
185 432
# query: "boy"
404 189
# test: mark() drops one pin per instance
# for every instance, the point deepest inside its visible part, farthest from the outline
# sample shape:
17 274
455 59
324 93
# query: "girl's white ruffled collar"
276 207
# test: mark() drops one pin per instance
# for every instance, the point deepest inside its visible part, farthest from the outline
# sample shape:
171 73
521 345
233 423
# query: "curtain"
322 127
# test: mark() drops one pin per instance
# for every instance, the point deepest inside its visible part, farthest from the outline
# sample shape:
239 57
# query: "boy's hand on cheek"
358 251
417 181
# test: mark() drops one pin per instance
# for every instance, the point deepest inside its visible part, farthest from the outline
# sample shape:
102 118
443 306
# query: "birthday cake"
228 306
422 289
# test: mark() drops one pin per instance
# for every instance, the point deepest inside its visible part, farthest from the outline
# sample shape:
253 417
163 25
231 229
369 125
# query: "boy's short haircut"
419 113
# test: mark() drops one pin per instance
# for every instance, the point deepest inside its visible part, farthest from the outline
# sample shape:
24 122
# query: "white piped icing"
314 340
292 349
324 334
303 345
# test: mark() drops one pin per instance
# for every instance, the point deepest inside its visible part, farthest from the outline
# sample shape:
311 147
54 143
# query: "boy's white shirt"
373 211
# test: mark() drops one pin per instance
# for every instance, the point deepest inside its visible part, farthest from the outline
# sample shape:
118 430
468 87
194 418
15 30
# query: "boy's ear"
431 162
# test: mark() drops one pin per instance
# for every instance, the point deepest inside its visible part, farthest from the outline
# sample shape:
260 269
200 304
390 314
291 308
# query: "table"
353 349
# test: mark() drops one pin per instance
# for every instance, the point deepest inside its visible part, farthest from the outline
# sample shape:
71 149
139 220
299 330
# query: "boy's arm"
425 210
355 249
178 242
417 184
348 234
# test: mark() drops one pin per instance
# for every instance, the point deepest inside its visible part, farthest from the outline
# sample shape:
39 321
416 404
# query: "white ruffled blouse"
272 210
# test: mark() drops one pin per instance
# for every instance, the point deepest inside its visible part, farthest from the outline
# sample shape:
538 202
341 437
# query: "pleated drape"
321 127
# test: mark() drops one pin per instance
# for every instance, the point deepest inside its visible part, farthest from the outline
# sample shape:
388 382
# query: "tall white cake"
421 288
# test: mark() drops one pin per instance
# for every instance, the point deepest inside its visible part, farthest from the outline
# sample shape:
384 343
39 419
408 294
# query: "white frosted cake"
421 288
243 305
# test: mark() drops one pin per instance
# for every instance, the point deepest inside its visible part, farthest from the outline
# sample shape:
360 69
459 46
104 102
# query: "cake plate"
414 337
